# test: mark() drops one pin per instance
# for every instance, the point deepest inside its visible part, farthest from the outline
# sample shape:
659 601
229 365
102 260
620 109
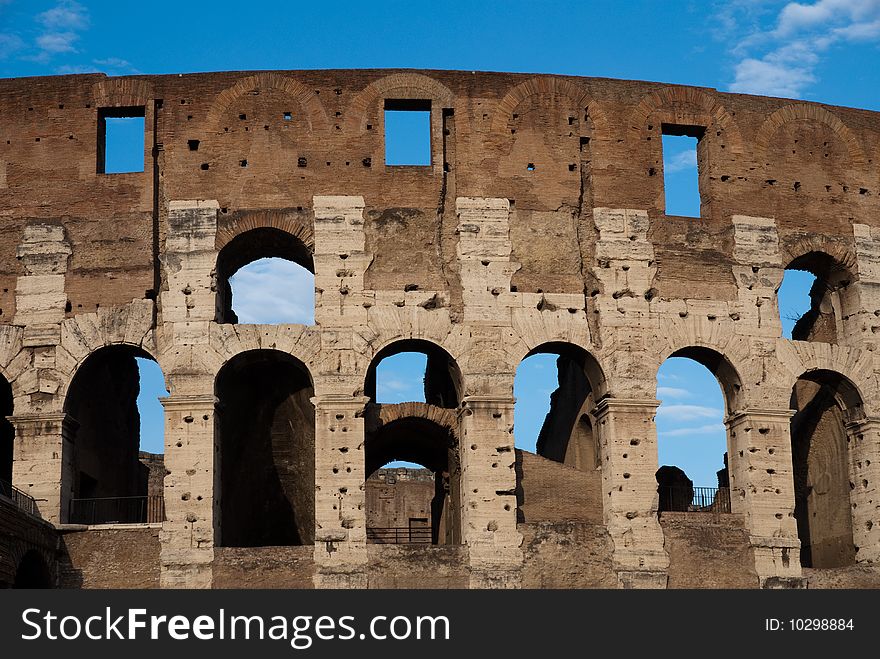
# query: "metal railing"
399 535
694 499
117 510
21 500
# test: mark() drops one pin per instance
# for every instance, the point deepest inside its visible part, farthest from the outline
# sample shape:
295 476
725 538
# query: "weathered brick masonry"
539 226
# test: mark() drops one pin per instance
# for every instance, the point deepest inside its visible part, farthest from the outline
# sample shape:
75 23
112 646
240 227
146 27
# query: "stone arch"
425 437
404 85
225 342
855 365
86 333
842 252
688 106
255 243
305 97
387 328
824 450
444 384
121 92
33 569
442 416
266 435
833 299
548 85
566 434
675 488
293 223
104 474
809 112
727 359
534 330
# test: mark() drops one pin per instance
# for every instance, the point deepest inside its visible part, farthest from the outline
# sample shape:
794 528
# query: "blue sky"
823 50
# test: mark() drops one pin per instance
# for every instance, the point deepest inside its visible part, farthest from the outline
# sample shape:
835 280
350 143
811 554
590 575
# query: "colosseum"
538 226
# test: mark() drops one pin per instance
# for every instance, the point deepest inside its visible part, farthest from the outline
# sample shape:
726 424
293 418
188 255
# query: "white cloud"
273 291
681 161
793 48
61 26
673 392
709 429
66 15
57 42
682 412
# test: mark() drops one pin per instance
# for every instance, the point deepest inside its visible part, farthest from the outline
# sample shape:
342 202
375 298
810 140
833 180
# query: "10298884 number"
820 624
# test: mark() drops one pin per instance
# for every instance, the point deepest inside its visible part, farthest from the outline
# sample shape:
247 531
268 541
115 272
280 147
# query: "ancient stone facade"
538 226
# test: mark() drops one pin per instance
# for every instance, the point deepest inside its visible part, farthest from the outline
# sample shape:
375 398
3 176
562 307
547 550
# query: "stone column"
340 516
762 490
44 461
187 307
191 501
628 451
488 491
863 439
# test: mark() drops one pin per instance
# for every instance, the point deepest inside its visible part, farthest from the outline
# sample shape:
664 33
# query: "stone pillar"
758 275
43 466
488 491
191 501
188 301
39 294
628 451
762 490
863 439
340 261
187 307
340 515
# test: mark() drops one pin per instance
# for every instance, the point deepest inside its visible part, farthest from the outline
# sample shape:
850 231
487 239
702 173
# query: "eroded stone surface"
539 225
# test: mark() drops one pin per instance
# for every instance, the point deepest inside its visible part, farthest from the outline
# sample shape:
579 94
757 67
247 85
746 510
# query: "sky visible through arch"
821 50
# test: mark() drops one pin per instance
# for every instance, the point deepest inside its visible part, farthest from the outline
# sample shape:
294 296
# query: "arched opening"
266 440
695 387
265 276
815 298
7 433
824 402
32 572
414 370
556 387
115 426
412 466
408 505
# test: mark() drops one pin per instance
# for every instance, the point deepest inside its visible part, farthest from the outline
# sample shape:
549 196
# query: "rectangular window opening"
121 140
408 132
681 180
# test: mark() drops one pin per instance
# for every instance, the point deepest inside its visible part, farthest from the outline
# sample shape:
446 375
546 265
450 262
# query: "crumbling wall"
540 220
398 497
549 492
153 473
565 436
708 550
567 555
263 567
123 557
